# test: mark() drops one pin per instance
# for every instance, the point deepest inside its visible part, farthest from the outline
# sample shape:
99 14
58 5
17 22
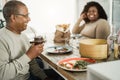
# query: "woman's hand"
83 16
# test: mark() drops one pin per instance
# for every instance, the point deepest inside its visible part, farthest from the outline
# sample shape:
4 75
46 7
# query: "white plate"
59 49
72 60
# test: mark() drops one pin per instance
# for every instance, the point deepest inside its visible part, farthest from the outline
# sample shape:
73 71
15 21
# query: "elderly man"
17 55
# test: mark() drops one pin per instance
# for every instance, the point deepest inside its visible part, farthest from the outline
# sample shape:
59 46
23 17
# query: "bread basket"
93 48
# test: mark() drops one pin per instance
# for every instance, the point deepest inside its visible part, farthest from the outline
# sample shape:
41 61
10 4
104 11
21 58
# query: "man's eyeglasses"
24 15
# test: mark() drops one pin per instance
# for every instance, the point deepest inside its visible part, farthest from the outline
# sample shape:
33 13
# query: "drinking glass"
75 38
44 37
113 44
67 41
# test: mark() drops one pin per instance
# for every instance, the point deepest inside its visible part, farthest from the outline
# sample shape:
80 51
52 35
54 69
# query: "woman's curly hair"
101 11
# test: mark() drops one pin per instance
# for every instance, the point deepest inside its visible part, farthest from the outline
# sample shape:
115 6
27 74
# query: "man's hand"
35 50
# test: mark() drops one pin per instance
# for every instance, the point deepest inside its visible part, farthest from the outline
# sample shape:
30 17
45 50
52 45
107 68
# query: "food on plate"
69 65
81 64
75 64
60 49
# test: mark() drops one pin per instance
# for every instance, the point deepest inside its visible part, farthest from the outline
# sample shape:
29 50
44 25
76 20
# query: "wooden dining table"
52 61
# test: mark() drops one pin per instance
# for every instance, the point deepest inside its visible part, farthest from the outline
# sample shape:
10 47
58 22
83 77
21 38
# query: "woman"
96 25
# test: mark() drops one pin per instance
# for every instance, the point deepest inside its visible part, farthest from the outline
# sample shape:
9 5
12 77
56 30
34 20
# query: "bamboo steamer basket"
93 48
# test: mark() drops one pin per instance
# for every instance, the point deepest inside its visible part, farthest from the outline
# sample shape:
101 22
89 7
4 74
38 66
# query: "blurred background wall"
46 14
